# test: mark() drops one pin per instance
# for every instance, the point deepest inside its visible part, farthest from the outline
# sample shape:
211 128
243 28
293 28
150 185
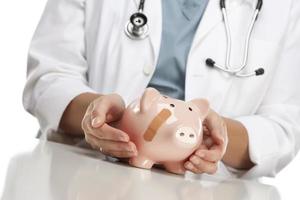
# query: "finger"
216 128
203 165
91 142
89 109
218 136
202 146
208 142
109 146
205 130
179 172
191 167
106 132
85 124
121 154
99 111
115 112
212 155
213 122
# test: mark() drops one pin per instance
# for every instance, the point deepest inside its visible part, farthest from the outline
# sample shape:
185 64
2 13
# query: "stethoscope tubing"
236 71
139 32
228 67
141 6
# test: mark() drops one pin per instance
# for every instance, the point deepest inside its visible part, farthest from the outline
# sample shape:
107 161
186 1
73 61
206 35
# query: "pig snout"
186 135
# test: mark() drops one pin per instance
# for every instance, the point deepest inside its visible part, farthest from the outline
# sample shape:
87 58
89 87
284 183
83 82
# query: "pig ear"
149 96
203 107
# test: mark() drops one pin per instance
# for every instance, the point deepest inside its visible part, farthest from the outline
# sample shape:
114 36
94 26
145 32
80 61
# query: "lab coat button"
147 70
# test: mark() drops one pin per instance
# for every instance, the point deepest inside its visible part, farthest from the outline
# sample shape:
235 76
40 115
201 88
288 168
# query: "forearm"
70 122
237 153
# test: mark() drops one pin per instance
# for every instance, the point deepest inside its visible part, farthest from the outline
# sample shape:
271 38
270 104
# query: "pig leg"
175 167
141 162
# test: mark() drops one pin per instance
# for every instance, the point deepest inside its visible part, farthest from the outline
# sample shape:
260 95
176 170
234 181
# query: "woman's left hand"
213 147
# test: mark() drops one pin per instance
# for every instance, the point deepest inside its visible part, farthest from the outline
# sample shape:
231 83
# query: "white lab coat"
80 46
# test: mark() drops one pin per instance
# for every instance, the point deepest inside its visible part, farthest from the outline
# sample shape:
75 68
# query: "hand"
213 147
99 134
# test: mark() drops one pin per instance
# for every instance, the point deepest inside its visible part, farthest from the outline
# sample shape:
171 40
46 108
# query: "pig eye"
192 135
172 105
165 97
190 109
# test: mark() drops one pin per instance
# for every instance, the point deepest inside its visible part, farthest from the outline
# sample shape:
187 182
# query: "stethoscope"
137 29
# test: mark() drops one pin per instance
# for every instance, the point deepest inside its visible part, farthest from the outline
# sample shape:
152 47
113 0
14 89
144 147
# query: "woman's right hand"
99 134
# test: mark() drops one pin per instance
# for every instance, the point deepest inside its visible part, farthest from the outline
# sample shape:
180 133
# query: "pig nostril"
172 105
192 135
181 134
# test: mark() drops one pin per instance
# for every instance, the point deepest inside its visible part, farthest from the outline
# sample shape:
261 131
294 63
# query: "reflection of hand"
213 147
99 134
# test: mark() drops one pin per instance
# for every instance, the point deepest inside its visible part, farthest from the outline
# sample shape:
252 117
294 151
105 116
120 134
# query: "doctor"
83 68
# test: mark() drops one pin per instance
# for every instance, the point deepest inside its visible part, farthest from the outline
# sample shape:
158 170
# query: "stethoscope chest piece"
137 27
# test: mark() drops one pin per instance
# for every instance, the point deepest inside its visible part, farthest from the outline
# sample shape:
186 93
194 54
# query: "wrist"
237 153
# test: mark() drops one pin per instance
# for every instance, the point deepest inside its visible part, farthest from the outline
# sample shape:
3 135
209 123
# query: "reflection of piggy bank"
165 130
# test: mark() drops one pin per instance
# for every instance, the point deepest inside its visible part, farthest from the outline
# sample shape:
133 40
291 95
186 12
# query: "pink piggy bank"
165 130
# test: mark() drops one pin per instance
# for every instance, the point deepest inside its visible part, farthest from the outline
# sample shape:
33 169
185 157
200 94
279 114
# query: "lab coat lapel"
212 17
153 10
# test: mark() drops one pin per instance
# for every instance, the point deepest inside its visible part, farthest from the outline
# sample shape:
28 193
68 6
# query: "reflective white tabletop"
52 171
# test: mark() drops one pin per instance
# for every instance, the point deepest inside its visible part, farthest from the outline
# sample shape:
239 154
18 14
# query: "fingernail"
222 140
135 150
132 153
189 165
200 154
130 149
195 160
96 121
124 138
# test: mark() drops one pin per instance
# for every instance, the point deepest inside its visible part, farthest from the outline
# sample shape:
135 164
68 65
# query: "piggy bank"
165 131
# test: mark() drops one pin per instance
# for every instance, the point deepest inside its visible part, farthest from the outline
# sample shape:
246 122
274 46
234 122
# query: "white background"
18 20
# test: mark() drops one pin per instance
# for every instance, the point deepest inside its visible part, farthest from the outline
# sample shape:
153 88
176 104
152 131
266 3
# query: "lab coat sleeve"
57 64
274 131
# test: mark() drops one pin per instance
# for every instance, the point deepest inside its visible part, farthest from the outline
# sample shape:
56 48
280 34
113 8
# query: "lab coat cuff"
263 145
53 102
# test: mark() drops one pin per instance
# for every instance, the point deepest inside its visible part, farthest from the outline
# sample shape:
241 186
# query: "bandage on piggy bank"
165 131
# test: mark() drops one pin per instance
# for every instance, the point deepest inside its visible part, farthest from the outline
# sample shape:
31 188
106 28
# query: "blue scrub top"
180 22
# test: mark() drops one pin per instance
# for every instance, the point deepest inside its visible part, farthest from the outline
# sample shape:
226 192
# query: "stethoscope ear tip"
260 71
210 62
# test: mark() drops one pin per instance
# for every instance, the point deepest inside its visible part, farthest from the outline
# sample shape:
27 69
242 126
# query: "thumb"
98 121
98 114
